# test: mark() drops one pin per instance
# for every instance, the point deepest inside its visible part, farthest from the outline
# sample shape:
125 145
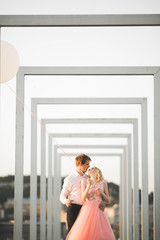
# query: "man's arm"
65 192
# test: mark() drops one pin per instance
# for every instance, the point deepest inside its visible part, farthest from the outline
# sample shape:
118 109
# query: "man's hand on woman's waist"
68 202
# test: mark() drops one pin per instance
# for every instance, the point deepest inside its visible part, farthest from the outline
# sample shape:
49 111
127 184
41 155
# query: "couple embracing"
84 196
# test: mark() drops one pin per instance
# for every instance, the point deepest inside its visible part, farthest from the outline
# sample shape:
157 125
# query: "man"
71 191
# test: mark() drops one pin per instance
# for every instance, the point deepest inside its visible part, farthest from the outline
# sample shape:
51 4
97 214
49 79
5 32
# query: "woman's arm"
105 194
85 186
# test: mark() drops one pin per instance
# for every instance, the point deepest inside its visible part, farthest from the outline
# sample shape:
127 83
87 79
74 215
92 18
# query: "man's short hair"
82 159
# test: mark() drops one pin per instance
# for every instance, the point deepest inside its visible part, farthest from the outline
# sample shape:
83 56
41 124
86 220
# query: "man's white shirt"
72 188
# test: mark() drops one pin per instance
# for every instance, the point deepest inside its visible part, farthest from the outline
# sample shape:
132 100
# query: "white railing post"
144 193
50 188
33 180
136 219
19 152
43 186
156 216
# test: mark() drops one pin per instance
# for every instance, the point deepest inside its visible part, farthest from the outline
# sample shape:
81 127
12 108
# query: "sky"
79 7
137 46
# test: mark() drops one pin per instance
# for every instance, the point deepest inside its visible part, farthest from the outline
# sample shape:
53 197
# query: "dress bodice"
93 191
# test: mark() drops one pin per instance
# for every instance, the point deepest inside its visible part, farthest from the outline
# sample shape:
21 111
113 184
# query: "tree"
6 192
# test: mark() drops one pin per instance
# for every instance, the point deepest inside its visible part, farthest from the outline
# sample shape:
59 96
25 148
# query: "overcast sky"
78 7
136 46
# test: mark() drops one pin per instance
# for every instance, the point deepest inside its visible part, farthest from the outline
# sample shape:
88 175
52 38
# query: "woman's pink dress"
92 223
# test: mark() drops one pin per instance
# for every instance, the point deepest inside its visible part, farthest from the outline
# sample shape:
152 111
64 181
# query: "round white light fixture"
9 61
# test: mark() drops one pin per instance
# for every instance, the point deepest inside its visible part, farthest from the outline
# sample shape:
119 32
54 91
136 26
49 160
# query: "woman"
92 223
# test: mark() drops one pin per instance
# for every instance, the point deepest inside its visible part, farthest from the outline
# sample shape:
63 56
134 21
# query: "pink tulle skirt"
91 224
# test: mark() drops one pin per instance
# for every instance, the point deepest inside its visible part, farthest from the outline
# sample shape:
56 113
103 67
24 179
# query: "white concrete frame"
119 101
78 20
135 134
143 102
32 212
122 192
128 228
101 20
56 188
43 209
80 135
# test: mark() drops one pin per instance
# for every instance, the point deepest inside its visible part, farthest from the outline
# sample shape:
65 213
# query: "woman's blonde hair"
99 176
